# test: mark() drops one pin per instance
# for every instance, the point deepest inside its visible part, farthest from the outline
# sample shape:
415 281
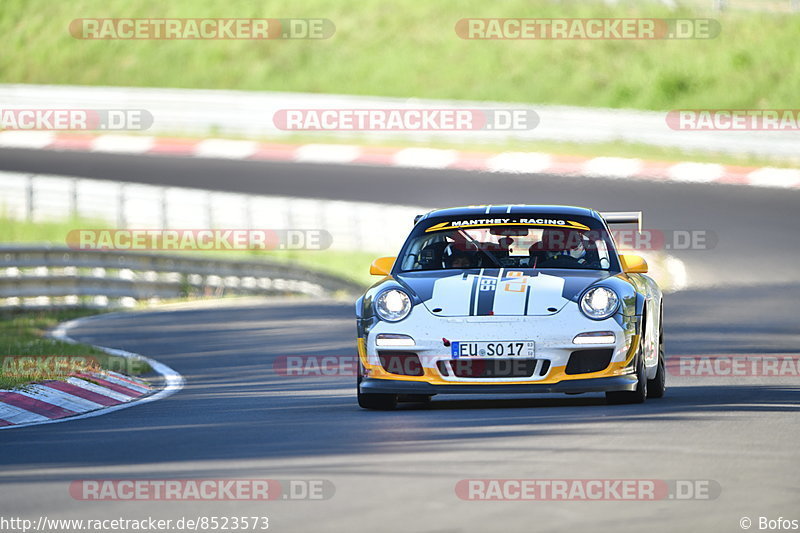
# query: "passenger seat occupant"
559 244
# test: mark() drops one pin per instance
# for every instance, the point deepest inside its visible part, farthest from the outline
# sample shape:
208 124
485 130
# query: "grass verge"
402 49
28 356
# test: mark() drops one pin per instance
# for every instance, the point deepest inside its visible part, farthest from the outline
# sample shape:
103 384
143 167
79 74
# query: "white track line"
774 177
122 144
612 167
225 148
326 153
425 158
696 172
19 416
91 387
121 382
519 162
26 139
58 398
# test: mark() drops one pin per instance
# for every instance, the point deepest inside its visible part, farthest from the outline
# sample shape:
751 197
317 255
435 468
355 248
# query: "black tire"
635 396
376 401
657 386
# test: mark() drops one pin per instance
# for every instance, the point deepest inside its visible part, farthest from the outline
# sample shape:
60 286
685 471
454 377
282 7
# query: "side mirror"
633 264
382 266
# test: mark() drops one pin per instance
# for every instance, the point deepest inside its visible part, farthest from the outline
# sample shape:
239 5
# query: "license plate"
492 349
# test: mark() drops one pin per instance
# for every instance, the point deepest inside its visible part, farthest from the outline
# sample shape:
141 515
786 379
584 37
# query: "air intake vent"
586 361
401 363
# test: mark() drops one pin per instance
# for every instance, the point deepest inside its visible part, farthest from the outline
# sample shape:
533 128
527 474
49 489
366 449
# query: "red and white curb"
507 162
83 395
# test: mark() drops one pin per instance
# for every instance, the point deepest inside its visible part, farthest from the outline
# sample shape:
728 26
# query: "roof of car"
510 209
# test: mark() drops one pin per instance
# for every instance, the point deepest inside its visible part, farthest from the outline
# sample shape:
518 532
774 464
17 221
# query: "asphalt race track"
397 471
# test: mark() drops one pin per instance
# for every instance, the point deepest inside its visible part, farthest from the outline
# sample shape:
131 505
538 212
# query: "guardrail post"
74 198
121 207
248 213
210 209
164 207
30 199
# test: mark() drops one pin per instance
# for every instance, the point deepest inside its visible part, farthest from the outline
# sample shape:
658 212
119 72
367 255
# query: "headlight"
392 305
599 303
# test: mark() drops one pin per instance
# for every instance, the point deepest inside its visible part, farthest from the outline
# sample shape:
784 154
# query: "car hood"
499 292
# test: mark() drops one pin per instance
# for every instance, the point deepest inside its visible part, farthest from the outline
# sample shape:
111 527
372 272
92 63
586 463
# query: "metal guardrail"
46 276
249 114
351 225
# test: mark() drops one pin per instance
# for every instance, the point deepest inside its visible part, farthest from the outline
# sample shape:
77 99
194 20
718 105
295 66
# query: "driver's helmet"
458 256
564 242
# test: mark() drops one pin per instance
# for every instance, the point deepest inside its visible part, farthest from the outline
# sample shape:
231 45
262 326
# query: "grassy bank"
27 356
396 48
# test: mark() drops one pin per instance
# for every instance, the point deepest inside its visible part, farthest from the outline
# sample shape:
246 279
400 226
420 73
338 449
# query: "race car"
510 299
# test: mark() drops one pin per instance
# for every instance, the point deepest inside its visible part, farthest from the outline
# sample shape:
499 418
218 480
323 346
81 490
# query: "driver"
453 257
559 245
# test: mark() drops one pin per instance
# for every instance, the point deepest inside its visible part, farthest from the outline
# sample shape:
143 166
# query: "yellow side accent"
382 266
633 264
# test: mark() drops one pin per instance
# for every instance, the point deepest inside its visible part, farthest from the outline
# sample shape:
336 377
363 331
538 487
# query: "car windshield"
543 242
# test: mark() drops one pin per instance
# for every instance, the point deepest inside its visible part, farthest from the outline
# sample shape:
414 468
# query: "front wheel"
635 396
657 386
376 401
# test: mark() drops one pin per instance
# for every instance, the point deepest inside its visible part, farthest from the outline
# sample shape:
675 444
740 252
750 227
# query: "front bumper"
553 336
391 386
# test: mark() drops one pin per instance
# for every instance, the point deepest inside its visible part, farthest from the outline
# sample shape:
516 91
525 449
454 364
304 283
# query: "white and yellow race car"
510 299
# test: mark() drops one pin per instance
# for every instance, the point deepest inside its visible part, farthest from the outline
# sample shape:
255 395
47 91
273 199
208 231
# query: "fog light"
595 337
393 339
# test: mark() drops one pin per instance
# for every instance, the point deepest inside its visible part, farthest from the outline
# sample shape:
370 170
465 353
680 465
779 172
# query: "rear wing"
623 217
